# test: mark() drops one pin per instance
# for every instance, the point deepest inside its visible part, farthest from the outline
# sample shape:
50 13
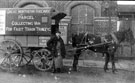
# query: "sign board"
101 24
25 21
43 41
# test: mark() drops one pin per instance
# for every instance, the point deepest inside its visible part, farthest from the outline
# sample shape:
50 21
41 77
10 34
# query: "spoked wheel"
42 60
26 58
10 55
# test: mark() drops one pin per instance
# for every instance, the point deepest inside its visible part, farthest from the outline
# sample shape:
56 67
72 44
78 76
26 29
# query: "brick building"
80 14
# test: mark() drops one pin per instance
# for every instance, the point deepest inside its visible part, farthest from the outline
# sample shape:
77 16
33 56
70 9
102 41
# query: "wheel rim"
42 60
10 55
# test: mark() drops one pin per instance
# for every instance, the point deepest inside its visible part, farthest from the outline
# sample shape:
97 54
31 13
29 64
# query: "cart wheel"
42 60
26 58
10 55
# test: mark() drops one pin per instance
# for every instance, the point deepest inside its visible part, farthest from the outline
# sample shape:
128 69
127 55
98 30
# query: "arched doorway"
82 19
82 15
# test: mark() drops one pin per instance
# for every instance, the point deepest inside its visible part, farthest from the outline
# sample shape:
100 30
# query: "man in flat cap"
58 51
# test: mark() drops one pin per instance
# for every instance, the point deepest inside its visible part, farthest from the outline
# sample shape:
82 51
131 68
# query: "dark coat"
52 45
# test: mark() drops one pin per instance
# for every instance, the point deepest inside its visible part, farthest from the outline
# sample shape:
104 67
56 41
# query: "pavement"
121 64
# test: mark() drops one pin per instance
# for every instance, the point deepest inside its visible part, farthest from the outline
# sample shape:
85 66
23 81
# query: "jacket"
52 43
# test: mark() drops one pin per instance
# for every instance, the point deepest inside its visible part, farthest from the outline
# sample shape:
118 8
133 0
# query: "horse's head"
129 37
125 35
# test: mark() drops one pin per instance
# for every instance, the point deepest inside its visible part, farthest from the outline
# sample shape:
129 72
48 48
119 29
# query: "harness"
103 39
114 38
83 38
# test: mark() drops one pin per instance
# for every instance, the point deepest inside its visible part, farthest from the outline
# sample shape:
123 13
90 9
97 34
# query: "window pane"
90 14
89 28
74 28
82 11
82 19
74 13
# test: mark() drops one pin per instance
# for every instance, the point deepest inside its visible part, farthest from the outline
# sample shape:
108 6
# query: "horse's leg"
107 57
103 54
113 63
75 61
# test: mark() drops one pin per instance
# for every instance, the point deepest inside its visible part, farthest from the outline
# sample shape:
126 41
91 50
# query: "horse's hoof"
114 71
74 69
107 68
104 70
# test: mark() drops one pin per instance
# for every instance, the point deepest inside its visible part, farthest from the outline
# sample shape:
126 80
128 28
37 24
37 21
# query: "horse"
106 44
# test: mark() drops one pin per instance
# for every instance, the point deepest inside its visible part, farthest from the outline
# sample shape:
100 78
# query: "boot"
53 71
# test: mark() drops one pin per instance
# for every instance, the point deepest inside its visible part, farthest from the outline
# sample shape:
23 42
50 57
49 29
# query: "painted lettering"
18 28
29 29
25 17
21 23
43 29
37 23
8 29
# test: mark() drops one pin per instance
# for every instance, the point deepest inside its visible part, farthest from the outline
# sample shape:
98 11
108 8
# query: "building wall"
68 7
62 6
59 5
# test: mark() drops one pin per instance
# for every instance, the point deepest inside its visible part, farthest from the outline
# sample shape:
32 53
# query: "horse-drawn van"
23 37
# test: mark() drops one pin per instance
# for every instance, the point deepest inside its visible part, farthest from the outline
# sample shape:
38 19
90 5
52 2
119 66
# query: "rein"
88 46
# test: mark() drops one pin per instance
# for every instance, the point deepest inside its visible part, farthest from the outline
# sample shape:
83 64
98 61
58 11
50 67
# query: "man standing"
57 47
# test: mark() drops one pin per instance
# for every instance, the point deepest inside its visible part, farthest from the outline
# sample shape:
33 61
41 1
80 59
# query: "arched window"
82 19
31 6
